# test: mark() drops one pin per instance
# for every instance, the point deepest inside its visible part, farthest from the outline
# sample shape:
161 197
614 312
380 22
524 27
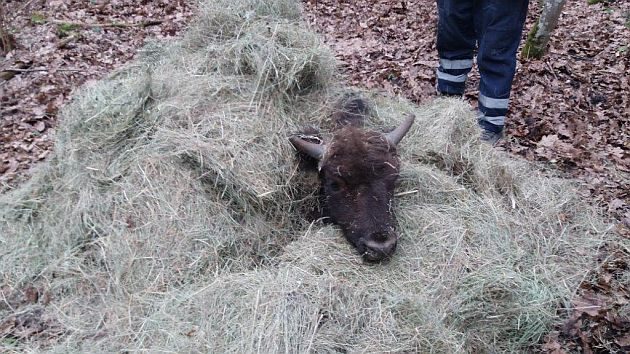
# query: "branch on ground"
107 24
66 41
8 74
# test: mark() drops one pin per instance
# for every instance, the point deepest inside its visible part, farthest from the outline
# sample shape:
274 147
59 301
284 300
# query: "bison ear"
313 150
396 135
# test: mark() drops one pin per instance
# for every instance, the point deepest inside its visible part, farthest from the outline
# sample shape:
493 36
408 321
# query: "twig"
108 24
553 72
6 75
37 69
64 42
405 193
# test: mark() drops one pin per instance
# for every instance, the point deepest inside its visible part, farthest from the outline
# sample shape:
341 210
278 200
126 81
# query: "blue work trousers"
493 28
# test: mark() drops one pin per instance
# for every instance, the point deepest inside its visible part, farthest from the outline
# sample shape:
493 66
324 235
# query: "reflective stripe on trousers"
460 25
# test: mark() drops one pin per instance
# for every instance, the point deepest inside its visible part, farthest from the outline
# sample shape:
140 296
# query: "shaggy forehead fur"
361 155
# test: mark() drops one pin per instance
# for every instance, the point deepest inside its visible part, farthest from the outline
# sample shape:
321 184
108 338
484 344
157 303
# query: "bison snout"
379 247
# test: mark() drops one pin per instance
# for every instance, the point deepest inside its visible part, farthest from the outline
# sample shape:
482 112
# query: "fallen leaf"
623 341
40 126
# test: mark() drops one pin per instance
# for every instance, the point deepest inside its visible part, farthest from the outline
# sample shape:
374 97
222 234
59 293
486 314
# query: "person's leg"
500 25
456 41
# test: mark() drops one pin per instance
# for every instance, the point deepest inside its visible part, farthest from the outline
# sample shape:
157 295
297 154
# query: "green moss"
65 29
533 48
38 18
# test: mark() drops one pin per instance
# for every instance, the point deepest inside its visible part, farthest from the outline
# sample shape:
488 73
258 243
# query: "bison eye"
334 186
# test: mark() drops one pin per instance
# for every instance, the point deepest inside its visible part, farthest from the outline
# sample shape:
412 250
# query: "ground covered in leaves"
57 46
569 110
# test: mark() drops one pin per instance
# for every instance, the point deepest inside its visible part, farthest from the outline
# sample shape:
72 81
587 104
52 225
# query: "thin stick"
108 24
64 42
553 72
400 194
37 69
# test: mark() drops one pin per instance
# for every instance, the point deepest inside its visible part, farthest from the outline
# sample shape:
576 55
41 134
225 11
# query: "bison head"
358 170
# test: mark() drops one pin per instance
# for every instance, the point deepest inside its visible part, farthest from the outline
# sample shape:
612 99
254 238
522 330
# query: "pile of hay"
171 216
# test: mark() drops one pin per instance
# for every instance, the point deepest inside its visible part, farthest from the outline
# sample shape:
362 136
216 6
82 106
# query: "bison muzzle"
358 169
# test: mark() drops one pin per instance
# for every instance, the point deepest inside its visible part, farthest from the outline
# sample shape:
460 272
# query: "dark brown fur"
357 176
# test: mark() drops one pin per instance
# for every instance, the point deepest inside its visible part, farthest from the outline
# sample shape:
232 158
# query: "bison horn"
396 135
313 150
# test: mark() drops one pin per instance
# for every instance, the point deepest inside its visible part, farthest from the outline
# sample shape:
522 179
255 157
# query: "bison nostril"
381 242
379 236
379 251
376 246
375 255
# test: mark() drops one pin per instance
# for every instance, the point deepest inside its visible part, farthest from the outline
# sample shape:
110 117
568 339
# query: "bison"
357 170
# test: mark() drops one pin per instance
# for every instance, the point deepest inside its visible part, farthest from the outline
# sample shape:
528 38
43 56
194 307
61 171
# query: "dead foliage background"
59 45
570 110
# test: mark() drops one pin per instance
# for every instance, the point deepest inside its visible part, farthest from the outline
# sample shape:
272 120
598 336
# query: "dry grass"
169 218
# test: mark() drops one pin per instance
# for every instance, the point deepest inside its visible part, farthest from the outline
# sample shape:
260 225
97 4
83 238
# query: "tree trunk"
7 42
538 37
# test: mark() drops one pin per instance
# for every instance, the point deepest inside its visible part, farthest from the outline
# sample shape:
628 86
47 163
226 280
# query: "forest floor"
570 111
60 45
